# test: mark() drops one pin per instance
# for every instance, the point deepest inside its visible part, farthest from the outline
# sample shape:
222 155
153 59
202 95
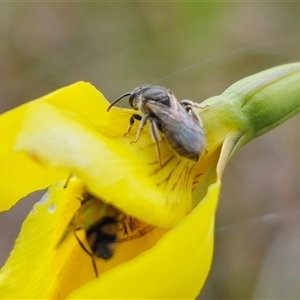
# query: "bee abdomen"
103 236
190 148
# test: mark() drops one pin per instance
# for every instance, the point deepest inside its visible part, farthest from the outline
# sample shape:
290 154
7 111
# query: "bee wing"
167 115
174 118
180 125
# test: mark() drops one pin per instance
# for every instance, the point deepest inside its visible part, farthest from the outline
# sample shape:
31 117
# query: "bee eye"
132 101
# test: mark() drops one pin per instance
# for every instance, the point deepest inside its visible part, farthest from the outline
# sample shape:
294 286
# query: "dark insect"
100 223
178 122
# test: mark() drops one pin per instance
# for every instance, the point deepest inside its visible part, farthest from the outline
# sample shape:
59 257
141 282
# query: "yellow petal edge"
16 166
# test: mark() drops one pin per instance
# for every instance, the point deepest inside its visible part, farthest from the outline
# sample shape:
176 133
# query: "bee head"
143 94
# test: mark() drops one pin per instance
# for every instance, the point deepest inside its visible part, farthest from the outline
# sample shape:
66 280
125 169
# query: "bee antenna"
118 99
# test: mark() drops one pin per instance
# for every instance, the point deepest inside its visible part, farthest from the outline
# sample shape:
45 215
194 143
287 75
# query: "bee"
181 126
99 221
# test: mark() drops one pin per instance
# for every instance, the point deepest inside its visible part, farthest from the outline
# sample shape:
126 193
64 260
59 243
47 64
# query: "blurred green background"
197 49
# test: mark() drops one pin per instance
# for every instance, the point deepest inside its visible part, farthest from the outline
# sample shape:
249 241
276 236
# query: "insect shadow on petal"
177 120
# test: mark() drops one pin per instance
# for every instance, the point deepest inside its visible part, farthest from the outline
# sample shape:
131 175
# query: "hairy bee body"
100 223
178 122
183 133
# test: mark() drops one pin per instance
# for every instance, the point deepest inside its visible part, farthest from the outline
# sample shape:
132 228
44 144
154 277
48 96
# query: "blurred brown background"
197 50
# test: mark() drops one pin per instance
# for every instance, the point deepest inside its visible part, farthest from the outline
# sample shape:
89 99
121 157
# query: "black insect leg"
131 122
68 180
156 138
88 252
143 120
94 266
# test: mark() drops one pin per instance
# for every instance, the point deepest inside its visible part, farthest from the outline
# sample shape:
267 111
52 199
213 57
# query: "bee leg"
132 224
121 221
156 138
191 111
143 120
195 116
68 180
94 265
189 104
125 231
85 197
186 102
88 252
131 122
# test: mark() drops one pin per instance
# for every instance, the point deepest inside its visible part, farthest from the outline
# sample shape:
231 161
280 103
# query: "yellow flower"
69 131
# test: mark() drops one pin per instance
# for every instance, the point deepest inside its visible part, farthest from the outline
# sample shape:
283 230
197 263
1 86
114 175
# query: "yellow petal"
54 134
16 167
175 268
19 174
39 269
107 162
